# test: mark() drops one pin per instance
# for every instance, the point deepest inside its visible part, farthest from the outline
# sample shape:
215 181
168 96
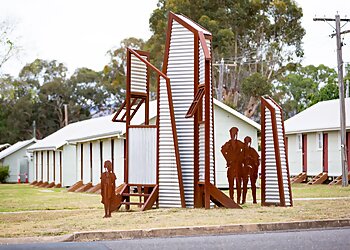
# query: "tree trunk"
251 107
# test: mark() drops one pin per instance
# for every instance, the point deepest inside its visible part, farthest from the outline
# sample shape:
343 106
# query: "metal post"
221 79
34 129
342 104
65 114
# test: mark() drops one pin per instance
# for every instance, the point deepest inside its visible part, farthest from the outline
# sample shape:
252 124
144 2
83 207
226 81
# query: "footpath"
182 231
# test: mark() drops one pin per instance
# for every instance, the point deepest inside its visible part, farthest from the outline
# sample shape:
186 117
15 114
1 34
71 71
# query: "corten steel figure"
232 150
109 198
250 168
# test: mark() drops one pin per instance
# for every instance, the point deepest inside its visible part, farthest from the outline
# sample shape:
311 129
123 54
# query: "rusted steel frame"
147 63
286 153
277 154
134 100
207 133
114 119
212 107
153 197
263 152
127 112
147 93
197 101
204 46
157 125
54 166
193 111
136 109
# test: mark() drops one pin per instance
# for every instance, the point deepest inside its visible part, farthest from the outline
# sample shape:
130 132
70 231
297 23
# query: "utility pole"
34 129
221 79
338 33
65 114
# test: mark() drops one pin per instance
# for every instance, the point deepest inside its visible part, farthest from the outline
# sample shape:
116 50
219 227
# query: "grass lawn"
57 212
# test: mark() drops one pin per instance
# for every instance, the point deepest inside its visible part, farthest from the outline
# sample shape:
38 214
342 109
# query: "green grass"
59 212
14 197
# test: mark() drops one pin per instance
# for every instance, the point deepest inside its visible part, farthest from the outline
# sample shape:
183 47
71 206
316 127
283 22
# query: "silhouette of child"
107 187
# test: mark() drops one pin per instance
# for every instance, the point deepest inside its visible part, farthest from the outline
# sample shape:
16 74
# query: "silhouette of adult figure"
108 188
250 168
232 151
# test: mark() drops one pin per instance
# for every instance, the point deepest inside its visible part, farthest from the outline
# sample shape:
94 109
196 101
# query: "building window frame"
299 142
319 141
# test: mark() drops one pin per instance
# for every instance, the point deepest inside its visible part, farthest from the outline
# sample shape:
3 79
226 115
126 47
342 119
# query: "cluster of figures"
242 164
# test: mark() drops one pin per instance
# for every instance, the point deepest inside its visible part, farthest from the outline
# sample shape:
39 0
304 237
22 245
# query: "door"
325 152
304 152
24 168
348 147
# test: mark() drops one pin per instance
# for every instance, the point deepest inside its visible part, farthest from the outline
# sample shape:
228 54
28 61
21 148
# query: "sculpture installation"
232 151
110 199
250 168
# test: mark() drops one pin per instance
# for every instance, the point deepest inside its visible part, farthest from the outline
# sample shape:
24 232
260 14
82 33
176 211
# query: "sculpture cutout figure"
250 168
110 199
232 151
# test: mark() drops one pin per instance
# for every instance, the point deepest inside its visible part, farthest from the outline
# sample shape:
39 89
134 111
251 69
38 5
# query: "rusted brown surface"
110 199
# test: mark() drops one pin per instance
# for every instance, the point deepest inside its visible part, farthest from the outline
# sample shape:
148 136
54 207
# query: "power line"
337 34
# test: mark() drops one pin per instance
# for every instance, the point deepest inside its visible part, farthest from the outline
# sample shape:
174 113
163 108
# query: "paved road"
308 239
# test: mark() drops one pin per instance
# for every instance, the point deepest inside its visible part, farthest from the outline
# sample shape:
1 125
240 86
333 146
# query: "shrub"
4 173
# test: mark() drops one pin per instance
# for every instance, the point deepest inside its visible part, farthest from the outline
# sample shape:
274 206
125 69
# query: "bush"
4 173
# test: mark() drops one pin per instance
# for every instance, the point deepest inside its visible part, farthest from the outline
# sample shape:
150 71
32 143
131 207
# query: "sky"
80 32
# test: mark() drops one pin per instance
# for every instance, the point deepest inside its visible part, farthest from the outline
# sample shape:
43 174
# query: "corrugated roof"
193 24
323 116
92 129
237 114
15 147
103 127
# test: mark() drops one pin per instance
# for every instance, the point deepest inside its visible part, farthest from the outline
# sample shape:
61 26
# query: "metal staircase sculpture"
275 182
171 164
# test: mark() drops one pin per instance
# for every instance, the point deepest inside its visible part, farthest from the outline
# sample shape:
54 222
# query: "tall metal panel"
169 191
138 75
142 153
275 172
180 70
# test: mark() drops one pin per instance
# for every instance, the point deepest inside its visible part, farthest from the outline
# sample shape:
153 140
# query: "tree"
254 36
8 47
301 87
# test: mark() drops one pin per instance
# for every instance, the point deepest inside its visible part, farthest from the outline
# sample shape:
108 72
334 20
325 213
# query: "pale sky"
80 32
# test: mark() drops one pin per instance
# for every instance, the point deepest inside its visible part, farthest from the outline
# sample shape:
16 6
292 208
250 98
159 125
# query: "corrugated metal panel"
51 166
181 52
86 163
272 191
138 74
169 192
44 164
142 155
57 167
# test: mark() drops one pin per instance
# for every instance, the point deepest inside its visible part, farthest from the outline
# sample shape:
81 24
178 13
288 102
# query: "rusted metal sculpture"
232 151
250 168
110 200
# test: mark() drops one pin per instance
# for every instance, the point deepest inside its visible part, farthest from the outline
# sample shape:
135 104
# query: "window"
299 142
319 141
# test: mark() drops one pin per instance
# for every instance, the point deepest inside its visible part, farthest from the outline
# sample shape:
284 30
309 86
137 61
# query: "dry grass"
39 223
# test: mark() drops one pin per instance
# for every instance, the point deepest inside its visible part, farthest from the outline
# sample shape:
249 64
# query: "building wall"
315 155
13 161
294 155
224 121
69 165
334 157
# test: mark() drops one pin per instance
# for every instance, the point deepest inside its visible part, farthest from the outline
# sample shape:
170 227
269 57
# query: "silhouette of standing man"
108 188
